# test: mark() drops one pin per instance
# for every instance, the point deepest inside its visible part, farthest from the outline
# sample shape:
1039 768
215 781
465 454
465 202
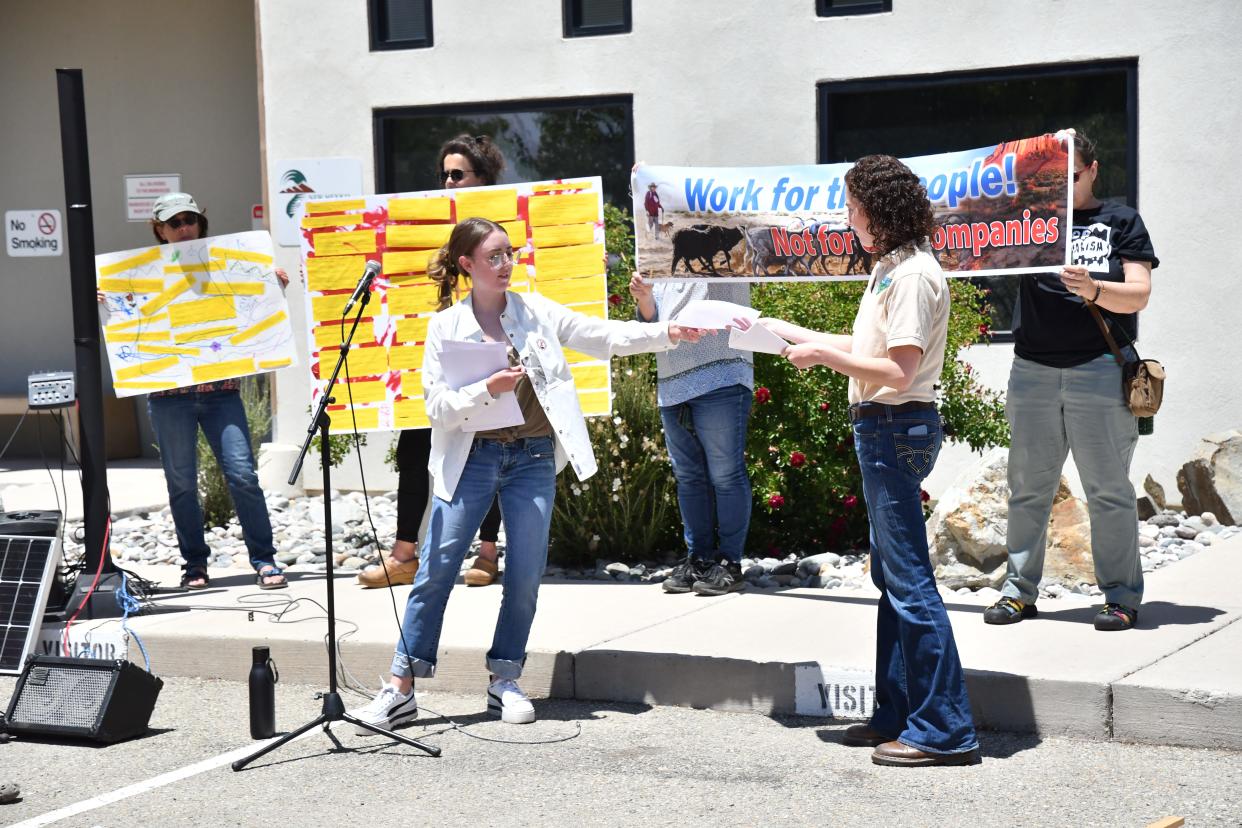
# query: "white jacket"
536 327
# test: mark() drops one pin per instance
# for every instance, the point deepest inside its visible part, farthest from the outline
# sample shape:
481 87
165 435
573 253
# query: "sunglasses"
176 222
501 256
456 175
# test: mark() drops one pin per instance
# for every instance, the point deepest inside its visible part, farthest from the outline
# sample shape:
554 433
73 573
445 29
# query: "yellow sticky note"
340 220
409 413
569 291
126 337
217 332
595 402
259 327
561 185
233 288
272 364
239 255
344 420
367 391
413 329
327 335
167 349
367 362
497 205
597 309
405 357
562 235
146 257
140 322
516 231
572 356
143 369
328 308
223 370
438 208
570 208
172 292
422 236
123 285
405 262
407 301
211 266
151 385
337 206
198 311
334 272
566 262
589 377
344 243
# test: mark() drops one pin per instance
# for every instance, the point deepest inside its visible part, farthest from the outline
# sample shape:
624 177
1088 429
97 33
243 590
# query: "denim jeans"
1053 411
523 473
920 687
706 439
176 419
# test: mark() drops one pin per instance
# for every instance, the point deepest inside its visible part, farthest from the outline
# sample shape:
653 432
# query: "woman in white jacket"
520 463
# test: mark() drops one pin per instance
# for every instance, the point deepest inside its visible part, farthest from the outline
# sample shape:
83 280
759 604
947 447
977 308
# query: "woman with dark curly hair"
893 358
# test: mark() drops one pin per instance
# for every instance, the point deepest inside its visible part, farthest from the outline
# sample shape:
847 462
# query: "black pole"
81 238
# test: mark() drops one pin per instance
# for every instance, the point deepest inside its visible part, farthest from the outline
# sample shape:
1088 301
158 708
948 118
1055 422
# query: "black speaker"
85 698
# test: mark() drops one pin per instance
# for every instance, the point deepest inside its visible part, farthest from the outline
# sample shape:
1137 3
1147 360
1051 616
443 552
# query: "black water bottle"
263 678
1146 425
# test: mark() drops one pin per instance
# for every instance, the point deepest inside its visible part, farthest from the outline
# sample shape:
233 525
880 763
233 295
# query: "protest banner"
998 210
198 311
558 227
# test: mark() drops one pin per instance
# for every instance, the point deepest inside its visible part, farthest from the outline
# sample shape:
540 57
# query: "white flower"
616 421
629 372
576 490
616 483
616 498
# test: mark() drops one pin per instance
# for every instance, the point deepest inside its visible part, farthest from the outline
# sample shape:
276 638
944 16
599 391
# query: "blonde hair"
443 269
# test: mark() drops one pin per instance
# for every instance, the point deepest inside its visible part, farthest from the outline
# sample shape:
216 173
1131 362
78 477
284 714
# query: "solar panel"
29 554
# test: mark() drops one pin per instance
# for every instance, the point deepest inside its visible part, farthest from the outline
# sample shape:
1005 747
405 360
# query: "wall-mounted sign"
141 191
33 233
293 182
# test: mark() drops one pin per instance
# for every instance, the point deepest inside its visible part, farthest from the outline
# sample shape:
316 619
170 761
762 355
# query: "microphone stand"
333 706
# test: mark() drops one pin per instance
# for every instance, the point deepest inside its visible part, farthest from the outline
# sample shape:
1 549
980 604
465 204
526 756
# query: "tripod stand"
333 706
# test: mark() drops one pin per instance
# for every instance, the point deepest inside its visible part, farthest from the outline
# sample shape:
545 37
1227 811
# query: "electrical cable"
128 604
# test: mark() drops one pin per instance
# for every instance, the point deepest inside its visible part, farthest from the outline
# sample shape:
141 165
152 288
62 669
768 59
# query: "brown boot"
399 573
481 573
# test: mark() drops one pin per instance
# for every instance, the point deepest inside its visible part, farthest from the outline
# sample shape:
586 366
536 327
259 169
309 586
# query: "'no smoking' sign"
32 233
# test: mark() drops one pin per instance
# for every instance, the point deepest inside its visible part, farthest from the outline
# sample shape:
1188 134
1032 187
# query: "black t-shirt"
1052 326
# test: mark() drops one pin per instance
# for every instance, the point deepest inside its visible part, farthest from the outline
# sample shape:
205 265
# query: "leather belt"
862 410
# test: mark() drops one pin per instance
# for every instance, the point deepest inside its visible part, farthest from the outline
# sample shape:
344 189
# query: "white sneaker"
388 709
506 700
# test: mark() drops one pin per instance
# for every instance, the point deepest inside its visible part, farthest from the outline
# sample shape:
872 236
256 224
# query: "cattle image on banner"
998 209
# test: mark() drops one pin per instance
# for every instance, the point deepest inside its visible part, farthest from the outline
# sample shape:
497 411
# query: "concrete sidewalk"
1175 680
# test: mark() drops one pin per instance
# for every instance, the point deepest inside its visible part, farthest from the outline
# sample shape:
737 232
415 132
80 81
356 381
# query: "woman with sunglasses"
465 161
216 408
519 463
1065 394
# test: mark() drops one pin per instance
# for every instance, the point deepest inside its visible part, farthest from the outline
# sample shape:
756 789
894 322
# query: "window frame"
824 91
376 16
823 8
569 29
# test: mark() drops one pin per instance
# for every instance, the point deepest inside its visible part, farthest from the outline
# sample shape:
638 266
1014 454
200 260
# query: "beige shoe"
481 573
399 573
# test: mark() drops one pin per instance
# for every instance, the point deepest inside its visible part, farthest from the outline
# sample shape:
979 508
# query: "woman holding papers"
893 358
464 161
477 455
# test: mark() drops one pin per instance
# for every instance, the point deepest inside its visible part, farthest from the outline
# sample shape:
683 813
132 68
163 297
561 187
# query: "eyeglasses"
190 220
501 256
456 175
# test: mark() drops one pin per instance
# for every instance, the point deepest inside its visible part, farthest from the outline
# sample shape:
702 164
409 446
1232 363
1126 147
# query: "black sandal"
195 572
270 571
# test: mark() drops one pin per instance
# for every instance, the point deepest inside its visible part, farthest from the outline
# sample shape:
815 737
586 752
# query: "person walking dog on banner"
518 463
893 358
1065 395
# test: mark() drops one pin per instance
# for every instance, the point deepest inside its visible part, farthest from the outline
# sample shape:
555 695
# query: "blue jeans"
1053 411
176 419
706 439
920 688
523 473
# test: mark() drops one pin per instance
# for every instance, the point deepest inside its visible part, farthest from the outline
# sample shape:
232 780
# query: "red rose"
984 330
924 496
775 501
614 299
823 406
762 395
796 459
850 501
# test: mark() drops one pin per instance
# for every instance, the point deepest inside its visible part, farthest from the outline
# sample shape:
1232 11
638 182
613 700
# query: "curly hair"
893 199
485 157
443 269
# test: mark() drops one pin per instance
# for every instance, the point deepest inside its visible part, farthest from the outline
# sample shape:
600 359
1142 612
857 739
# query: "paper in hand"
465 363
757 338
713 314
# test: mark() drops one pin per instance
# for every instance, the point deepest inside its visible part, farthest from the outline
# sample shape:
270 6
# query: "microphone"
364 285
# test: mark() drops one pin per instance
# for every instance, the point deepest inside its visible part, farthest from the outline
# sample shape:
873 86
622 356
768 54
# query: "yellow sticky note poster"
569 208
338 206
345 243
421 236
569 291
413 329
259 327
588 377
172 292
420 209
334 272
407 301
144 258
567 262
562 235
182 314
406 358
146 368
223 370
406 262
497 205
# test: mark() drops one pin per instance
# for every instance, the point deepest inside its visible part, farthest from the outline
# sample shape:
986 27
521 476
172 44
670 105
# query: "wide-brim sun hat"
170 204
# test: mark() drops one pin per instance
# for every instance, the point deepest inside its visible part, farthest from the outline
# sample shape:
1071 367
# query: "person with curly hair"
893 358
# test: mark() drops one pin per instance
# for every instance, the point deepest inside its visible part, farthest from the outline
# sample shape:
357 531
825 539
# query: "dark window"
540 140
584 18
399 24
837 8
913 116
